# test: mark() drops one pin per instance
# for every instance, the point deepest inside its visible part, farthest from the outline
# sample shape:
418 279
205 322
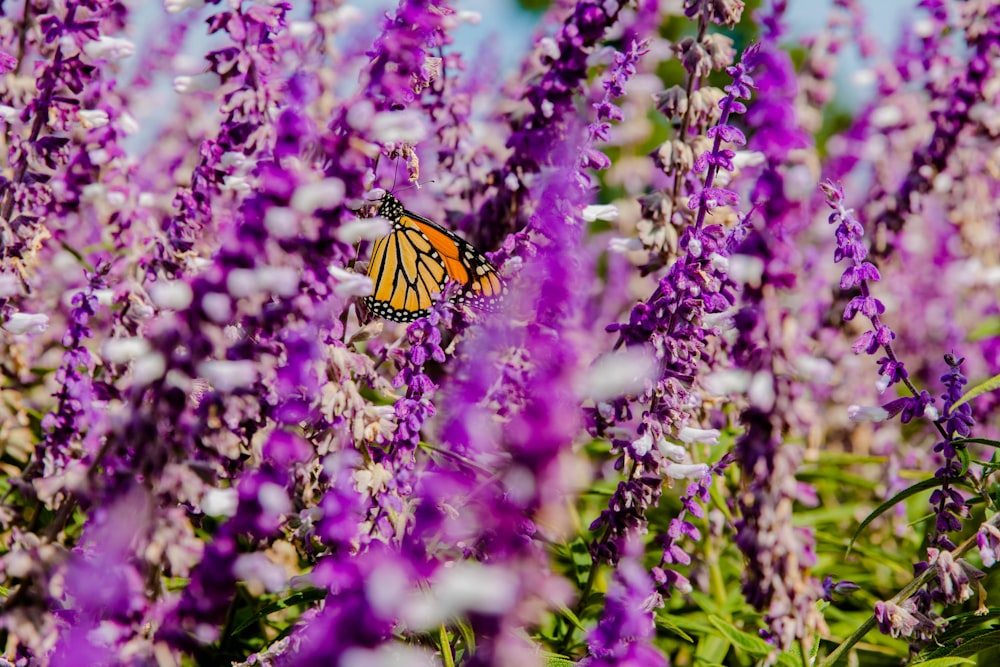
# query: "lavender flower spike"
859 274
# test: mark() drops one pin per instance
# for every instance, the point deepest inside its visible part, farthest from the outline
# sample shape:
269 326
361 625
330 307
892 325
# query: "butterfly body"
417 259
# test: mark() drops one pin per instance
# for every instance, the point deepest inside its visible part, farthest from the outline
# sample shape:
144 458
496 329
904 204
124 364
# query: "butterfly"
417 259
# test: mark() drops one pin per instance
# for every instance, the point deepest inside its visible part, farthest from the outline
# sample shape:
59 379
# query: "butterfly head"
390 207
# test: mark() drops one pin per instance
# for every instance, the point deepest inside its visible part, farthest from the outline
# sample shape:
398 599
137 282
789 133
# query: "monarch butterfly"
417 259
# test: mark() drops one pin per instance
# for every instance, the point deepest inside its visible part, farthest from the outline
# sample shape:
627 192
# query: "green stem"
907 591
446 656
803 653
717 581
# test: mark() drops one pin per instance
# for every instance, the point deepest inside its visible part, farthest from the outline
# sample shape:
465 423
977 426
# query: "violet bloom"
988 541
360 613
552 100
61 75
777 129
947 501
264 503
614 87
624 634
254 260
903 620
103 587
672 321
532 368
76 415
954 112
954 579
834 589
400 65
397 457
241 69
695 497
779 557
533 355
860 274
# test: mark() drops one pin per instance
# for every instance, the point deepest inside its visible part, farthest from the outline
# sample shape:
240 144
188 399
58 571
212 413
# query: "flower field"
328 340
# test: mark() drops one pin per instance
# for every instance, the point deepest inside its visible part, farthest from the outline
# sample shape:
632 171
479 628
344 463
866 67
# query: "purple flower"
693 501
8 63
551 109
242 71
838 588
399 59
903 620
624 634
777 579
955 577
948 503
672 322
988 541
359 614
958 97
860 274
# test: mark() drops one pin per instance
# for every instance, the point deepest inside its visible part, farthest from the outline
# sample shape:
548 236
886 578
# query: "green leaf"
827 458
989 385
302 597
825 515
963 455
961 626
793 656
987 328
946 662
976 441
712 648
468 635
964 646
571 617
79 257
842 478
578 553
919 487
746 641
556 660
670 626
691 625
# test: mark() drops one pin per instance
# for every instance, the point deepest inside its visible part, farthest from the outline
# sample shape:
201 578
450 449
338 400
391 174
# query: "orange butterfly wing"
417 259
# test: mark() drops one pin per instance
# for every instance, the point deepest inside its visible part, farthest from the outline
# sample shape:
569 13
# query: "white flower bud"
687 470
109 48
325 194
206 81
600 212
26 323
171 294
91 118
178 6
225 375
869 413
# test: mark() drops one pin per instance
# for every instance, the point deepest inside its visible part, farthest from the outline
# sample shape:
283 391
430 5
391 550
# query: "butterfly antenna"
416 185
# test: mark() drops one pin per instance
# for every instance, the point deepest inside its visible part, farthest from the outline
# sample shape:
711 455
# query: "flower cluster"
859 275
674 322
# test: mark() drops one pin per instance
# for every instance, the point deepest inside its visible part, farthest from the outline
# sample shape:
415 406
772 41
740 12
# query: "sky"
510 29
515 27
